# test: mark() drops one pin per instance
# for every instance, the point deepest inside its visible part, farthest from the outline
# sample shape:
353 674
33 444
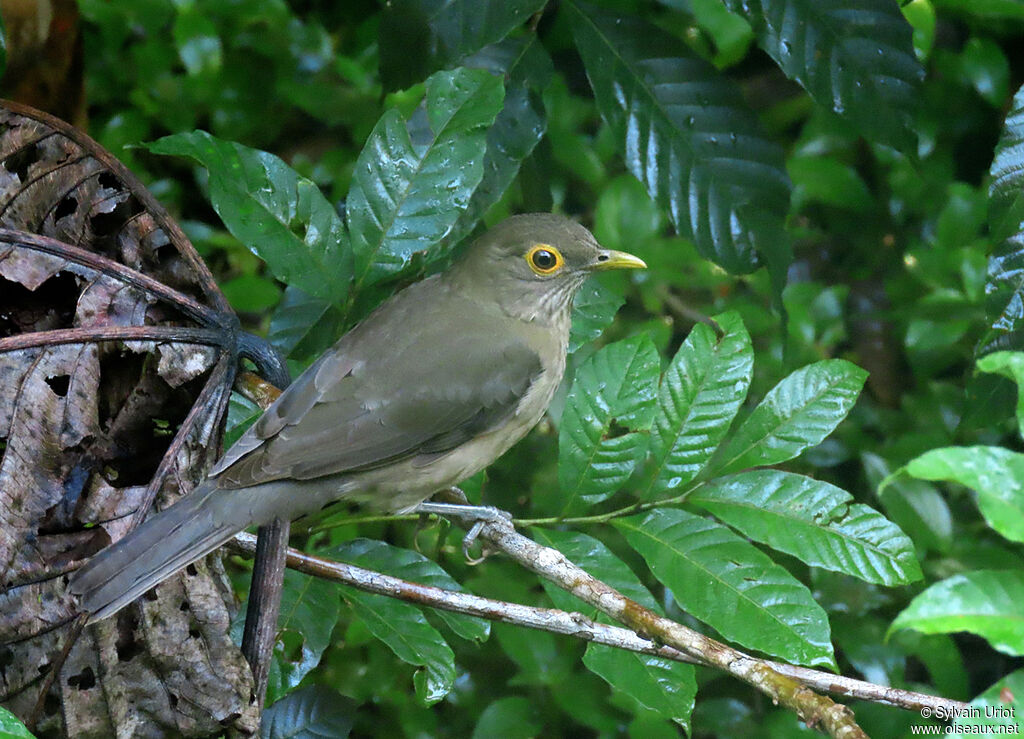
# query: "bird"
430 388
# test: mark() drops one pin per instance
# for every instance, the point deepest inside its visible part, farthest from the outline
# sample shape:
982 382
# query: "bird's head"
533 264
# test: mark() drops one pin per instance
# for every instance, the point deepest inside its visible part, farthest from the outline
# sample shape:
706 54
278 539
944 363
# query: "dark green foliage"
420 36
707 459
687 135
282 217
1006 215
853 56
414 177
313 711
617 385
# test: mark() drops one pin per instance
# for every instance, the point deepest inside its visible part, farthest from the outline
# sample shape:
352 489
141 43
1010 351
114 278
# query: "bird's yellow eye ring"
544 259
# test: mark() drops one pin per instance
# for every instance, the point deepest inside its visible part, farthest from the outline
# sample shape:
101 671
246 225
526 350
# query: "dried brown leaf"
117 354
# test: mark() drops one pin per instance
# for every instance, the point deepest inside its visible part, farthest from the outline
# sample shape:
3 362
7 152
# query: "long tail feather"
165 543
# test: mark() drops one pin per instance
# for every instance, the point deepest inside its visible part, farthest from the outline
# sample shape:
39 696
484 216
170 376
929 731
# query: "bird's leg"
476 516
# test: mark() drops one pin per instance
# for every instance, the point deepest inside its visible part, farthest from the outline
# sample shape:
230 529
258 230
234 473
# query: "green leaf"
282 217
920 14
303 326
517 129
593 310
983 602
818 179
916 506
10 726
626 216
412 566
687 134
309 712
700 394
418 37
409 186
855 57
242 413
508 718
731 34
730 585
251 293
994 473
309 611
540 657
196 37
815 522
1009 365
985 65
798 413
1006 198
1000 705
596 558
664 686
403 628
618 384
1005 287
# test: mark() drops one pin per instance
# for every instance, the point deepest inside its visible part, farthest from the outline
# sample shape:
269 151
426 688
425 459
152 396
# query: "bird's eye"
544 259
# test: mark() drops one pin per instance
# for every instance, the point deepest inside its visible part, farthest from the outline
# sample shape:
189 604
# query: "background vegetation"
838 182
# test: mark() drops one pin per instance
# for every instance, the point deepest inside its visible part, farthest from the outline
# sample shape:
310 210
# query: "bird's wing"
345 416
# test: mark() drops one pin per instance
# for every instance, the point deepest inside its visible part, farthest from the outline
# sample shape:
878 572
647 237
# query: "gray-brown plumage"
432 387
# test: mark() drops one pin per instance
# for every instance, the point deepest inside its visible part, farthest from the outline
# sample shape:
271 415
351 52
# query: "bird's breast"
403 485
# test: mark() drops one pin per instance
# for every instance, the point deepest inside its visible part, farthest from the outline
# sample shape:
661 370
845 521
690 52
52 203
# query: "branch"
261 615
552 565
191 307
260 633
788 685
579 626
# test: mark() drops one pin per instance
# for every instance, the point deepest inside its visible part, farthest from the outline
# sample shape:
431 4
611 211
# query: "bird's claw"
469 540
480 516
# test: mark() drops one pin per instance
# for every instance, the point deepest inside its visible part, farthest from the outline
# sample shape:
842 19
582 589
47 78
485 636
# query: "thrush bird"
429 389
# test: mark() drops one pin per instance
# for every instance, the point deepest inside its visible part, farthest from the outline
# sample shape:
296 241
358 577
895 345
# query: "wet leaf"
312 711
983 602
745 596
618 385
412 180
687 135
282 217
418 37
700 394
855 57
1005 286
816 522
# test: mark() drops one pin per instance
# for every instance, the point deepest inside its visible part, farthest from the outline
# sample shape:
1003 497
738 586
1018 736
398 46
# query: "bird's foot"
480 516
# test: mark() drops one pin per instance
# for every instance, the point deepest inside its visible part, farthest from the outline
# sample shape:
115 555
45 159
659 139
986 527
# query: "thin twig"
92 334
816 710
577 625
74 631
97 262
150 204
219 376
681 310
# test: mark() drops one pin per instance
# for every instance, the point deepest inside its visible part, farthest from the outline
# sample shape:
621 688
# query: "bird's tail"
165 543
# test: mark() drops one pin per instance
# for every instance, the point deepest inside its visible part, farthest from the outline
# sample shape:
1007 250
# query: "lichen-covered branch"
582 627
